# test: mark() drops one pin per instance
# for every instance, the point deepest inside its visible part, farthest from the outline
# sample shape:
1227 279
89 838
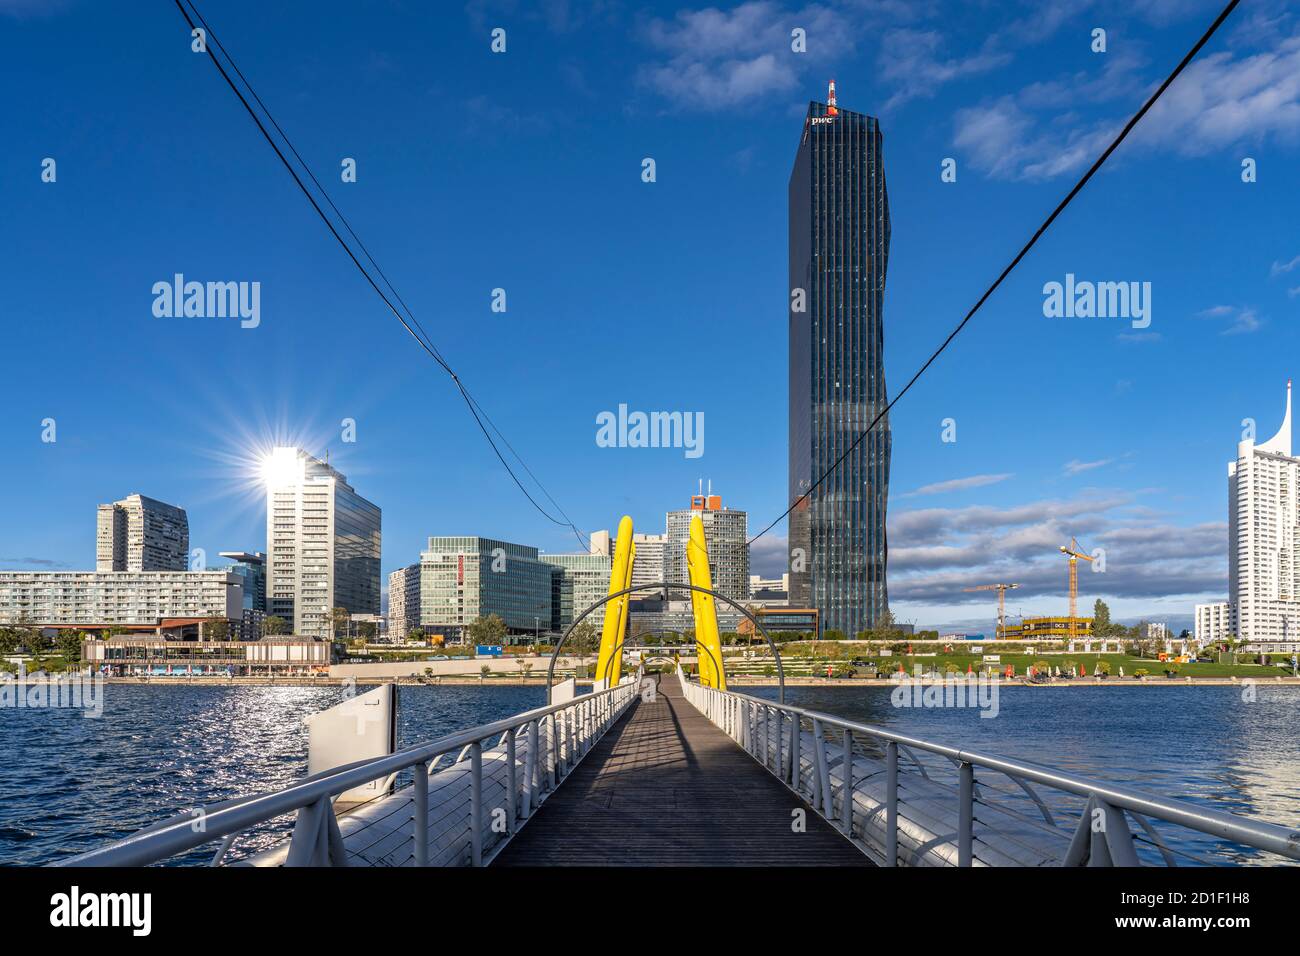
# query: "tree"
1100 619
69 644
8 640
584 640
216 629
273 625
339 616
487 630
414 636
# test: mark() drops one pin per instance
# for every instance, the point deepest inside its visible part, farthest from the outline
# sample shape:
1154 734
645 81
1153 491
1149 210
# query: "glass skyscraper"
839 251
323 544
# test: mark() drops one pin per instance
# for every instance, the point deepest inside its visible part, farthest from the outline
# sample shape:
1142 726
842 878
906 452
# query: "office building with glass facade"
580 581
323 544
465 578
839 252
251 568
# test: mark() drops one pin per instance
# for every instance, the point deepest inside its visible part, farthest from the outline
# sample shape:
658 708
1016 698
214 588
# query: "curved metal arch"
664 585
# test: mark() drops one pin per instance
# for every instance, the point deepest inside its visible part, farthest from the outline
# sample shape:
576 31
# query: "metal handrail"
1260 835
180 834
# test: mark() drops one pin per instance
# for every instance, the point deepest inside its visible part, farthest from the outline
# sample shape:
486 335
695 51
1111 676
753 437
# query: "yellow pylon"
706 615
610 659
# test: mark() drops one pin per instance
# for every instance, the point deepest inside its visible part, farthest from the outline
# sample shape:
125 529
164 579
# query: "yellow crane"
1074 554
1002 590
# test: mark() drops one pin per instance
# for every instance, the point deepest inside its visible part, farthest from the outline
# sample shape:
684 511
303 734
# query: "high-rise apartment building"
650 566
839 252
141 534
726 532
323 543
1263 538
403 602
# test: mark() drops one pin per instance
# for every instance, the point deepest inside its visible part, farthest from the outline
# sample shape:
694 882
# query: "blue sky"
522 171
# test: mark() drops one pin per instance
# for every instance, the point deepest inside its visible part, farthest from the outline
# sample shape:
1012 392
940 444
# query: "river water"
69 783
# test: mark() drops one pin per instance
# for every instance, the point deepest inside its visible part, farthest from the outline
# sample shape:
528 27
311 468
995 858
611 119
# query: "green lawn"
1023 661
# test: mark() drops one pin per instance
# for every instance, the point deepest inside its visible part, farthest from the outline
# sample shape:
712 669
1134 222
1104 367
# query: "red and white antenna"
830 101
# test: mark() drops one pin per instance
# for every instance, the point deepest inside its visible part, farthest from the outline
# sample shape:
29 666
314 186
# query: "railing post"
780 744
965 814
847 775
512 781
420 822
476 803
823 771
796 771
767 736
530 770
552 754
891 804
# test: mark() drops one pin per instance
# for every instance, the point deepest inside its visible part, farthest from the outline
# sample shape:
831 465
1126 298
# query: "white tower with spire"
1264 538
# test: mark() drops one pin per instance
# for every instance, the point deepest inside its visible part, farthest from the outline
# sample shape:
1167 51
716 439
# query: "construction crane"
1002 590
1074 554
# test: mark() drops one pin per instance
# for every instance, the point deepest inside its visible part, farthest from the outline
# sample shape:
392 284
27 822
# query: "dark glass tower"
839 251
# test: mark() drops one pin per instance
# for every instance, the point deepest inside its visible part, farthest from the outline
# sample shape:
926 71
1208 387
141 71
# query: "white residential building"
1263 539
758 583
403 602
1213 622
136 600
323 544
650 563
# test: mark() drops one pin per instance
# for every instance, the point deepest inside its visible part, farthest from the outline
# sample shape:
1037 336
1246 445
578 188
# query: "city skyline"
1065 426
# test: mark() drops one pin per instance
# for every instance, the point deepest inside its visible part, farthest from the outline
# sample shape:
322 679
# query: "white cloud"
769 556
934 553
1280 267
913 60
1242 319
958 484
722 58
1076 467
1221 99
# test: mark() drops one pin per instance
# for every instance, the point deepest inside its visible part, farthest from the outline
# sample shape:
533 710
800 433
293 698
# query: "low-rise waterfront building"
144 656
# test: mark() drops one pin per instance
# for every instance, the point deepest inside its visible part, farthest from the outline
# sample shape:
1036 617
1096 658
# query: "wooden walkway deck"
667 788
